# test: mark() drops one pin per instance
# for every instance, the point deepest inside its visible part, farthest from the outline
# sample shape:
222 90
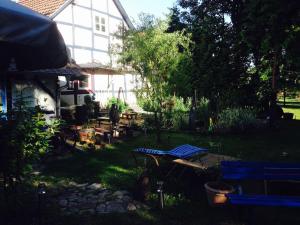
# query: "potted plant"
216 192
86 134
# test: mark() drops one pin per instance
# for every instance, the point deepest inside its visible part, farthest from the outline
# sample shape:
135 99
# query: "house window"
100 24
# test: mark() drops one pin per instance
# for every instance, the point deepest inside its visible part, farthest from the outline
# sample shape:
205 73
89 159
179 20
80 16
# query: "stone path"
93 199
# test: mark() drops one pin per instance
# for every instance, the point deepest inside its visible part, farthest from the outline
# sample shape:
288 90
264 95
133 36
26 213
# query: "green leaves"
159 57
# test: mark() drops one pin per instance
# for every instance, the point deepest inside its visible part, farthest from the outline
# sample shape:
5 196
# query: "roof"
42 7
54 7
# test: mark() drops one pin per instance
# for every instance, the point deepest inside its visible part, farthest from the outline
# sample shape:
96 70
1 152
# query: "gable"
54 7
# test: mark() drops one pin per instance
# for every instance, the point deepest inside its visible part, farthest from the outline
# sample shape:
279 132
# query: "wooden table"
103 118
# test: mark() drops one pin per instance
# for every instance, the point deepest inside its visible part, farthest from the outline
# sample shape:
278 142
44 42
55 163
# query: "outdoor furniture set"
236 172
263 171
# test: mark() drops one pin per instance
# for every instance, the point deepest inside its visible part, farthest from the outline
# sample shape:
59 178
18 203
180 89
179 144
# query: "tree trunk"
157 119
275 72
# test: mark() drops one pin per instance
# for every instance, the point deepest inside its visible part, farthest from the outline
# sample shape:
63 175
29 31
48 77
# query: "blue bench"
239 171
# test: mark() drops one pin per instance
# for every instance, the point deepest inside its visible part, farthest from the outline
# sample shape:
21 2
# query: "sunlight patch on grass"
119 169
295 111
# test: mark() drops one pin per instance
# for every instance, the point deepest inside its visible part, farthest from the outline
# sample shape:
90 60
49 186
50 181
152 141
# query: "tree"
241 47
161 58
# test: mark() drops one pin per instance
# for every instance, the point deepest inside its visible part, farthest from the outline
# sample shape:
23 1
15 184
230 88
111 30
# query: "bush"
236 119
203 111
122 106
176 115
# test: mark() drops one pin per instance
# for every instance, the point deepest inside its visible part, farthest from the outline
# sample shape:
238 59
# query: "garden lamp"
161 194
41 191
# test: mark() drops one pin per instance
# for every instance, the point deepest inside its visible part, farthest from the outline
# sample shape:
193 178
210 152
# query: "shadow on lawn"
186 200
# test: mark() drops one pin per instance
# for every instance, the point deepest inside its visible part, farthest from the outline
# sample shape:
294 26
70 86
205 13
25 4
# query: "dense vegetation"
244 50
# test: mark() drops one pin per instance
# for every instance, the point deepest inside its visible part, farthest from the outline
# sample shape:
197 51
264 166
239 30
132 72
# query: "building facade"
90 29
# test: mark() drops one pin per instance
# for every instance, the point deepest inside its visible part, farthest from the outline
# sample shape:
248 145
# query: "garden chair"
183 152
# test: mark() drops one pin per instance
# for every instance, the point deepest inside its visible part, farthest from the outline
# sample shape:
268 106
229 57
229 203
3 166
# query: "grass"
292 106
186 201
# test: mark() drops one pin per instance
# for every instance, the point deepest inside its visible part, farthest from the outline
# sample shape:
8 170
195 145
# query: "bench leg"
245 214
250 212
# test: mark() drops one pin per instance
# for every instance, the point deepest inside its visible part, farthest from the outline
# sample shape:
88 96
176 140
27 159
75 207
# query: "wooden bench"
260 171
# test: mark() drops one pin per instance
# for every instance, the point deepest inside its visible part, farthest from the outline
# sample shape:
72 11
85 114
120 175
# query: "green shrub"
122 106
203 111
176 114
236 119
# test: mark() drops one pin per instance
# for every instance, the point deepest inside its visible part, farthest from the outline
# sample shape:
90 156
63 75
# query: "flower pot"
216 193
86 135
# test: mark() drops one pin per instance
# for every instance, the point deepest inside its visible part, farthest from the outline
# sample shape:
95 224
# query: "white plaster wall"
113 10
77 26
107 86
65 15
101 43
86 3
100 5
82 16
34 95
83 37
82 55
67 33
102 57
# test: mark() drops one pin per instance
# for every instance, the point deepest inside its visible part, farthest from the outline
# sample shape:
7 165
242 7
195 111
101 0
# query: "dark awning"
29 38
71 72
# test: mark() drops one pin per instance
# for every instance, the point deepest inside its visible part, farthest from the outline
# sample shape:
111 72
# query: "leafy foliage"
122 106
176 115
236 119
243 49
25 137
203 111
160 58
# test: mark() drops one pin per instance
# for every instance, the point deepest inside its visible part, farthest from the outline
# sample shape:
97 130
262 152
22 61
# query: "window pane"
102 20
103 28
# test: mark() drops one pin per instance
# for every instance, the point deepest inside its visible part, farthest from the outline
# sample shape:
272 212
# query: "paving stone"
94 186
131 207
93 198
63 202
118 194
101 208
115 207
86 211
86 205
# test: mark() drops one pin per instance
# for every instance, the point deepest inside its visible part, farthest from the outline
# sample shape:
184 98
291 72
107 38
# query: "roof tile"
43 6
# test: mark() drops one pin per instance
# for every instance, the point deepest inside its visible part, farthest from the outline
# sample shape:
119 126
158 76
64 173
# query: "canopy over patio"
29 39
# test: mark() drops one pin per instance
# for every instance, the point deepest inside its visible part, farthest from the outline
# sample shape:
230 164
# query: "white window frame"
100 24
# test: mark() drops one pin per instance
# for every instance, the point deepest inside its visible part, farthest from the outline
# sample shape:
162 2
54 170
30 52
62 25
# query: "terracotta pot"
86 134
216 192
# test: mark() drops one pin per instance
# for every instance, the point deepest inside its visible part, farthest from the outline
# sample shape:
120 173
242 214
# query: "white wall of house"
88 28
32 94
117 85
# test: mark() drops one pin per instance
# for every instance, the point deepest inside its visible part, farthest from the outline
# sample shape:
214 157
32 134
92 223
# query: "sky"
155 7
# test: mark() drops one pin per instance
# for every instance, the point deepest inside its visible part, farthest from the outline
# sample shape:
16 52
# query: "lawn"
115 168
292 106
